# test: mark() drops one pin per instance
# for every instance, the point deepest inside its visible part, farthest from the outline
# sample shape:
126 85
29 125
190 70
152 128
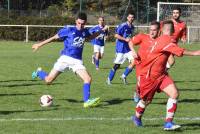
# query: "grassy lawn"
20 111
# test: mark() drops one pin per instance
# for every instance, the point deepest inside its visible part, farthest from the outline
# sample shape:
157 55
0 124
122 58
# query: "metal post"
26 33
188 34
80 5
8 8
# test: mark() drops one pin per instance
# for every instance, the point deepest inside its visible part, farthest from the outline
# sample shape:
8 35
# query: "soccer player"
152 76
144 40
98 42
123 34
180 31
71 56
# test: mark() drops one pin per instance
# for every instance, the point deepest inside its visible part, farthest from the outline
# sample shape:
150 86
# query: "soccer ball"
46 100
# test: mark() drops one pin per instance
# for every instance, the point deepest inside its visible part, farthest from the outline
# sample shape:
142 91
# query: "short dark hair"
177 8
82 16
131 13
156 23
169 22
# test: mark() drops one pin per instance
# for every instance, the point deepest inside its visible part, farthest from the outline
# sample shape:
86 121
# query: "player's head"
81 20
176 13
130 17
101 20
154 29
168 27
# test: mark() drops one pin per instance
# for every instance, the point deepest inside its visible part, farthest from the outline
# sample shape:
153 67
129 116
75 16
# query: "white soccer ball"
46 100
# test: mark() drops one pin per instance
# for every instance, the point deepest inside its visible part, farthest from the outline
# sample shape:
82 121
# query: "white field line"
95 119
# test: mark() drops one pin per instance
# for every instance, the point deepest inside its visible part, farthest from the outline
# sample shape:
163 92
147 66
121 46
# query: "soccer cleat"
124 80
93 59
169 126
91 102
137 121
136 98
108 81
35 73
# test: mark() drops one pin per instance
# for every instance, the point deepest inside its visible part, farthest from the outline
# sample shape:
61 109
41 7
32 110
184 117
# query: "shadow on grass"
186 81
23 111
27 84
115 101
192 90
190 126
179 101
18 94
17 80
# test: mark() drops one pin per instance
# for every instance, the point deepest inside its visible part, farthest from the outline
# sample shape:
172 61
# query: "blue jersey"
125 31
99 40
73 41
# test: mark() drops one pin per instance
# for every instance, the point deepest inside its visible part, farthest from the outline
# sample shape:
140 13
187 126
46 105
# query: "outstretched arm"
97 33
117 36
192 53
36 46
132 49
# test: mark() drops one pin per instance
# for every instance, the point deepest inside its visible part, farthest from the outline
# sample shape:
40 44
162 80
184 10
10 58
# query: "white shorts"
66 62
98 49
120 58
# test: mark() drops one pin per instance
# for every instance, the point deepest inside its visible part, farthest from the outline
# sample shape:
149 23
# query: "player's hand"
105 28
127 39
35 47
135 56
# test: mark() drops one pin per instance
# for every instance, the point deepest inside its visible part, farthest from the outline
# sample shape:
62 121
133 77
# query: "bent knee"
48 80
88 79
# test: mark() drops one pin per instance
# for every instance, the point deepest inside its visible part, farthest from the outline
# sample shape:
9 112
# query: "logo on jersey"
100 36
78 42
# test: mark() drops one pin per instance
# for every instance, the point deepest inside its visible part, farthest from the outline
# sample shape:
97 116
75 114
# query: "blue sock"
42 74
127 72
86 91
97 63
111 74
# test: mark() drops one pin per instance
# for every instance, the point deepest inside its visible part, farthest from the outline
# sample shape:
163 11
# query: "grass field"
21 113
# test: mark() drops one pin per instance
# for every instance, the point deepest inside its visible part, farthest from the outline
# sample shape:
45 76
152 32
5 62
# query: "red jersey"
180 30
144 41
156 56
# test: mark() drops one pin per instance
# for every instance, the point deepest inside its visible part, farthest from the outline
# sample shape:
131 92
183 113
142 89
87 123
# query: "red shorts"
147 87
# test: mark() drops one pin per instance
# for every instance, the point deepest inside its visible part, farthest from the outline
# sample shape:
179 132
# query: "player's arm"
119 37
94 35
130 43
184 35
192 53
36 46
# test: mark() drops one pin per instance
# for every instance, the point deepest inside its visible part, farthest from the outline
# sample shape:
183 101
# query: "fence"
144 29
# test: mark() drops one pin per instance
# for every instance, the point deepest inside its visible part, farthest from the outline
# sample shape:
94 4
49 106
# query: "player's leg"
112 73
119 59
84 75
128 69
170 89
97 57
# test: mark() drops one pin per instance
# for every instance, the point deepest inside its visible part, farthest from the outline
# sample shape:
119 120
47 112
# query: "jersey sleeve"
184 33
119 30
174 49
92 30
63 33
87 33
136 40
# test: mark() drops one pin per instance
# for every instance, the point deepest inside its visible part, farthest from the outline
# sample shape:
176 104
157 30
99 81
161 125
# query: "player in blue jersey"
123 35
71 56
98 42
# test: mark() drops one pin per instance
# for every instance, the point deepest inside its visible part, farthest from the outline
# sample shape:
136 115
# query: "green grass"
19 95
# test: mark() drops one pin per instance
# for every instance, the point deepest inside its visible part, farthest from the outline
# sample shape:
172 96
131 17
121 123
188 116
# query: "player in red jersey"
152 76
180 31
143 41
